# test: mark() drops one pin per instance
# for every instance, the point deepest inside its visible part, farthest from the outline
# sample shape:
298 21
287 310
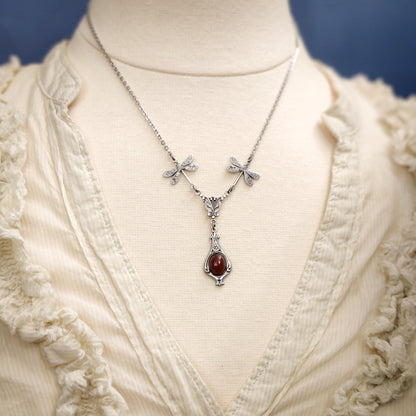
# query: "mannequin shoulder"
395 114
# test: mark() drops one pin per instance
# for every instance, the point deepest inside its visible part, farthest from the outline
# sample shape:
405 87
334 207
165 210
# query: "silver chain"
163 141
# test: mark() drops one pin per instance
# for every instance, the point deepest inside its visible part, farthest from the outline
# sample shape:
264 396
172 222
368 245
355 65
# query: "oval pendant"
217 264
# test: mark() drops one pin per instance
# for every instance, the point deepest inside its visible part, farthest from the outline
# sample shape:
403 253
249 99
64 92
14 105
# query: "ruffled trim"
28 303
8 71
388 370
398 117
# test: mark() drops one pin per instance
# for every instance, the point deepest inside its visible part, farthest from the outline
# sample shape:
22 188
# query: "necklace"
217 264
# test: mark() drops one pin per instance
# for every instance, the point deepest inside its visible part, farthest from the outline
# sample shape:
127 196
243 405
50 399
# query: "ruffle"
8 71
28 303
388 370
397 115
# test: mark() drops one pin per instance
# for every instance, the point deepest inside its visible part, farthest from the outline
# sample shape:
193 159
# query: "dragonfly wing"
188 160
169 173
232 168
253 175
247 178
175 178
191 167
235 162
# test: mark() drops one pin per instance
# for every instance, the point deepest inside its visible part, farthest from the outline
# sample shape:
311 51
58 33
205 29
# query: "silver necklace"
217 264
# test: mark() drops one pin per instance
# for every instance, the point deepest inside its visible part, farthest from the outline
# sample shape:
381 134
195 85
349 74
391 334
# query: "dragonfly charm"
175 173
237 167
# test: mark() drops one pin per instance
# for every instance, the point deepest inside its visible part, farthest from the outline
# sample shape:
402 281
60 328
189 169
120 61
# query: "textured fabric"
79 333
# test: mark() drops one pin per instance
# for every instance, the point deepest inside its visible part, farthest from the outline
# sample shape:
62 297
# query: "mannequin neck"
203 37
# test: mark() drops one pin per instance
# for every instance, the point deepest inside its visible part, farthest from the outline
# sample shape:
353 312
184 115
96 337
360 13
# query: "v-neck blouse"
87 339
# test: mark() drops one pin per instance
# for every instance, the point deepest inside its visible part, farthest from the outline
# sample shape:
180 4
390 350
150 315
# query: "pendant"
217 264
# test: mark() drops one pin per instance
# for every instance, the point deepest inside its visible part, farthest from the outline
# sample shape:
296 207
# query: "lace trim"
388 370
28 303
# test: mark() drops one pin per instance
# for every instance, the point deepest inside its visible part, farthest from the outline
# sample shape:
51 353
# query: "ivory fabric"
79 334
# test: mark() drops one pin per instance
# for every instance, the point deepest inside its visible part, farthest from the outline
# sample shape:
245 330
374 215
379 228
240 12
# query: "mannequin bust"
207 74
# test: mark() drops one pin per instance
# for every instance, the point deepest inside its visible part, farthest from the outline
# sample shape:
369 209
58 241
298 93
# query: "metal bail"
212 205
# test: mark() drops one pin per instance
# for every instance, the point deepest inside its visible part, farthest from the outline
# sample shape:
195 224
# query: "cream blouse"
79 333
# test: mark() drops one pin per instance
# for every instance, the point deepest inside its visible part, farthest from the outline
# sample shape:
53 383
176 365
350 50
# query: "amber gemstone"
217 264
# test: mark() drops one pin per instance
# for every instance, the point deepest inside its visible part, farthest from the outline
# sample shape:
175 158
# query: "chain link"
163 141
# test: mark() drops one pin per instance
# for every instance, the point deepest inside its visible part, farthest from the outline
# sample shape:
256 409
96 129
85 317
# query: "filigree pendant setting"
217 264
